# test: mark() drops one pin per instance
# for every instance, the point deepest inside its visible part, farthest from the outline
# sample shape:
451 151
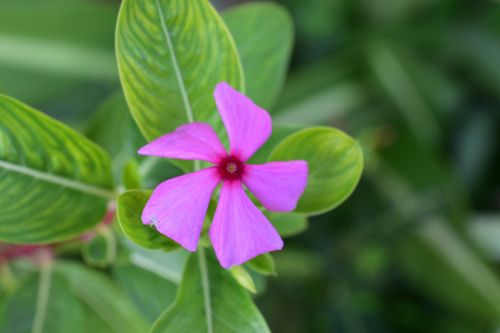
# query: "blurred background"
416 248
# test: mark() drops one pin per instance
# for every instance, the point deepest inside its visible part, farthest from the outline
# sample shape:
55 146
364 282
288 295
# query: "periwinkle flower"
239 230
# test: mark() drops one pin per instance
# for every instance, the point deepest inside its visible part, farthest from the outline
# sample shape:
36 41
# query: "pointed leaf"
171 54
210 300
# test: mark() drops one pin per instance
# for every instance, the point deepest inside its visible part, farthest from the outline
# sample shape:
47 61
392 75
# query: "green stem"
43 293
205 283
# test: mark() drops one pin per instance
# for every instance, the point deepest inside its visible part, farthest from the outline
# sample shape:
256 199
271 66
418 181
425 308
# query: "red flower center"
231 168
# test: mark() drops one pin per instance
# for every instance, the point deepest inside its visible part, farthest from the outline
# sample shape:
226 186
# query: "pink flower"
239 230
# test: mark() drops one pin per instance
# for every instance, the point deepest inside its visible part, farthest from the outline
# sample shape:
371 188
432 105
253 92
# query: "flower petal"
247 125
178 206
195 141
277 185
240 231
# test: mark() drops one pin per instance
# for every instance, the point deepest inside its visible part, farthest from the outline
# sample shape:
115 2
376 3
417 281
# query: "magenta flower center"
231 168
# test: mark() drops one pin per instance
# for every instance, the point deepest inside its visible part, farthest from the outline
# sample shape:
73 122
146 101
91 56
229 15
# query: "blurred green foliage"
414 249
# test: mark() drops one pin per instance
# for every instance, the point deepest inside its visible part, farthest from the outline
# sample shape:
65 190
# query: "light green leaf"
102 297
288 224
210 300
55 183
335 163
131 177
263 33
263 264
129 211
171 54
243 278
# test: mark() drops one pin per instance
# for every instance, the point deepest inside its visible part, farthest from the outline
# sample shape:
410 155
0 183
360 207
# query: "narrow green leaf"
210 300
335 163
263 33
263 264
129 211
171 54
55 183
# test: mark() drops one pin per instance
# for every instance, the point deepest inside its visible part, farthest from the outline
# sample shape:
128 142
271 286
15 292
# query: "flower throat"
231 168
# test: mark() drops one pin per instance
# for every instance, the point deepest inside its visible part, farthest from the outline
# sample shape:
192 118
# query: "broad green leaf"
102 297
150 293
129 211
210 300
100 251
263 33
335 163
263 264
131 178
171 54
288 224
243 278
43 304
55 183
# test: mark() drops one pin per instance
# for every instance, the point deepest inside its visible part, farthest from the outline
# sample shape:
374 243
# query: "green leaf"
335 163
149 292
131 178
243 278
100 251
102 297
263 33
55 183
263 264
210 300
43 304
171 54
129 211
288 224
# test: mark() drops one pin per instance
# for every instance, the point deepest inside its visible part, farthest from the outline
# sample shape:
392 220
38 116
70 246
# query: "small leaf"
263 264
243 278
335 163
129 211
210 300
55 183
263 33
131 178
171 54
288 224
100 251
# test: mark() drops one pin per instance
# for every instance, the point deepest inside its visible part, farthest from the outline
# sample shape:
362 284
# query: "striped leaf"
171 54
263 33
335 163
54 183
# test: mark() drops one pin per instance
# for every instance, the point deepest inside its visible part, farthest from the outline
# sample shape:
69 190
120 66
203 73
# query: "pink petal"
277 185
178 206
240 231
247 125
195 141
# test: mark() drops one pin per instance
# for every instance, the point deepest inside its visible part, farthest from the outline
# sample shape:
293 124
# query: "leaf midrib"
205 282
58 180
